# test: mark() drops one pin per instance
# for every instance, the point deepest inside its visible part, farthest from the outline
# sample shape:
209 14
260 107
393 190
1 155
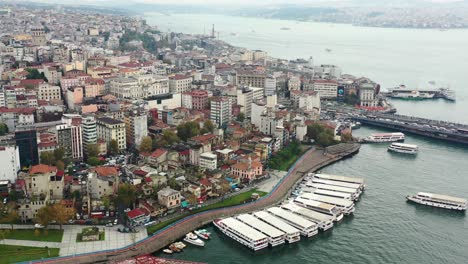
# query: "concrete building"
169 198
245 99
199 99
221 111
74 97
257 93
89 131
136 127
152 84
9 162
45 180
94 87
26 140
48 92
180 83
250 78
74 123
208 160
125 88
367 95
270 85
112 129
326 89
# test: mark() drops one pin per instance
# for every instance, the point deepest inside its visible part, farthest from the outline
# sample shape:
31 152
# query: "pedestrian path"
29 243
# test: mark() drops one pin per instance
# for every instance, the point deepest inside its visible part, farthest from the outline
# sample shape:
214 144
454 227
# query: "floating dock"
292 233
242 233
276 236
306 227
324 221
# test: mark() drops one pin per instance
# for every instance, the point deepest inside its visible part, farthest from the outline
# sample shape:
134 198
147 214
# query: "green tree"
346 137
188 130
146 144
3 129
34 74
45 215
61 214
241 117
60 165
126 194
47 157
113 148
94 161
92 150
208 126
106 201
9 214
314 130
59 154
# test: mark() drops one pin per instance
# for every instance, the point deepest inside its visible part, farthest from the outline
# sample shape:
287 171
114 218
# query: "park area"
13 254
50 235
286 157
231 201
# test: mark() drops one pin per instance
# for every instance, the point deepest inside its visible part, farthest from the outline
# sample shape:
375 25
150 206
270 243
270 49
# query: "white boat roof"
301 221
276 222
403 145
258 224
443 197
332 187
387 134
311 214
332 193
243 229
337 183
340 178
314 203
327 199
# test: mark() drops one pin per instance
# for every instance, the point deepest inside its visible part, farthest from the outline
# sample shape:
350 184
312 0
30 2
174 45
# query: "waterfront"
385 228
388 56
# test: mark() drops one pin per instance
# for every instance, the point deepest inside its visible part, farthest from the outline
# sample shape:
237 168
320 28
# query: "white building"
112 129
208 160
48 92
136 124
309 101
152 84
257 93
245 99
180 83
127 88
270 86
9 162
89 131
367 95
221 111
327 89
258 108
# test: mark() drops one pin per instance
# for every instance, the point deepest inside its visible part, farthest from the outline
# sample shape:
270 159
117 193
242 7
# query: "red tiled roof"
148 179
17 110
140 172
105 171
41 169
135 213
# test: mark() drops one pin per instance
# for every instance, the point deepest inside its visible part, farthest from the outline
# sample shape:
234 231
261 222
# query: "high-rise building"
112 129
270 86
26 140
250 78
221 111
89 131
245 99
136 127
9 162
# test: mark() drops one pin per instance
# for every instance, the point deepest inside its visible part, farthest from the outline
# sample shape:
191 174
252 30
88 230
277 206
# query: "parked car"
38 226
109 224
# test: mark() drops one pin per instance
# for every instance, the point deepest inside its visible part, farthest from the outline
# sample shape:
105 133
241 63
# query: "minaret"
212 32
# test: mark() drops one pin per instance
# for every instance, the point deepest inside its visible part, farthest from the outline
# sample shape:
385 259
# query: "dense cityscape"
112 130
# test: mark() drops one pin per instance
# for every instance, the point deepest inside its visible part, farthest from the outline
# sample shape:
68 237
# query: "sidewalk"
113 239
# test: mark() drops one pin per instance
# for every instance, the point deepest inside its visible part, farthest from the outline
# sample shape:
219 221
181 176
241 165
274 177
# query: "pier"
447 131
276 236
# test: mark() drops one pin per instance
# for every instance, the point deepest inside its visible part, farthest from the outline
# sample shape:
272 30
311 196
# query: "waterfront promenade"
312 160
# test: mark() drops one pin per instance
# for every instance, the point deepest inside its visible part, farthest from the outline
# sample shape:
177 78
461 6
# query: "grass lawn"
234 200
28 234
13 254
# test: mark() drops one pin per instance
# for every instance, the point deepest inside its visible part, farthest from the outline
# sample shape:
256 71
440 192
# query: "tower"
212 32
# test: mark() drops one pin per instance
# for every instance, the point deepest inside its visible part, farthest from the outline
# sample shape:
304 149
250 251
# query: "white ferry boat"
320 207
403 148
385 137
340 184
321 186
346 206
306 227
292 233
337 178
439 200
324 221
242 233
275 236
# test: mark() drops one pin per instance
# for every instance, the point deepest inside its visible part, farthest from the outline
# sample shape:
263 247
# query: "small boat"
439 200
168 251
403 148
174 248
328 50
385 137
202 233
285 28
180 245
194 240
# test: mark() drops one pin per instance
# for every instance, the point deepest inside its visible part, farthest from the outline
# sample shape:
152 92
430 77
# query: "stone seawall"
312 160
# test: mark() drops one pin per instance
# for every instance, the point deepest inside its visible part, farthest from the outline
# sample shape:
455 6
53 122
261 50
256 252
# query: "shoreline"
312 160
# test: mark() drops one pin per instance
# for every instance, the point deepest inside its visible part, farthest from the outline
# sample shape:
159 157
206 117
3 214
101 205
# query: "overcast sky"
241 2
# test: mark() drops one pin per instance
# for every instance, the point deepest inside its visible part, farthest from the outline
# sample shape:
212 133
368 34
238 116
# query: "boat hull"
434 204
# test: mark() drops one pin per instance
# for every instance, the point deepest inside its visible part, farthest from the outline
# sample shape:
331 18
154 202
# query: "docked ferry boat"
320 207
403 148
385 137
439 200
242 233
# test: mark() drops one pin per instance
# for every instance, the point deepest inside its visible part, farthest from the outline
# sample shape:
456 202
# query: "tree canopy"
188 130
208 127
321 134
113 147
146 144
126 195
34 74
3 129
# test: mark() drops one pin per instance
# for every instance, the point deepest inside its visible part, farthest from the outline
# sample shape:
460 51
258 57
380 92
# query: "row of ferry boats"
318 202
